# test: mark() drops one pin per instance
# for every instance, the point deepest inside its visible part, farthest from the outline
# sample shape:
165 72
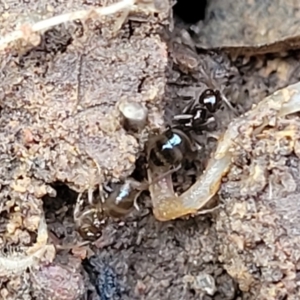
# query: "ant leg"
135 204
207 211
101 193
90 196
213 135
226 101
158 178
77 207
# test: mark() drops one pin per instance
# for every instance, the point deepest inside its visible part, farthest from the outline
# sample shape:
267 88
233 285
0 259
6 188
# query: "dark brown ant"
88 221
123 198
117 204
169 148
199 113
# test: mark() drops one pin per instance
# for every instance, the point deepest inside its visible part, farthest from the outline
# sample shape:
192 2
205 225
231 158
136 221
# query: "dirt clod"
251 27
258 227
57 282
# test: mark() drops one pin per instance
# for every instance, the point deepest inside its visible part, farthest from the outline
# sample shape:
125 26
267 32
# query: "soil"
62 135
258 227
248 26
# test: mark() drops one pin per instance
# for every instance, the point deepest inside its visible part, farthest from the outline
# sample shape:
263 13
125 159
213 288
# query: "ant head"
211 100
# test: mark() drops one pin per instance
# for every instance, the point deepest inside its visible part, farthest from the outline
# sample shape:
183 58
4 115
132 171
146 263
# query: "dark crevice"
140 86
190 11
64 197
54 41
131 29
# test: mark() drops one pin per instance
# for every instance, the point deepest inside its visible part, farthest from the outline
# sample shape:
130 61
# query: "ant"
200 112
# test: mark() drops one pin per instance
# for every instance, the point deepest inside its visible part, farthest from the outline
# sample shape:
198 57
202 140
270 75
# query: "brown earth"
60 127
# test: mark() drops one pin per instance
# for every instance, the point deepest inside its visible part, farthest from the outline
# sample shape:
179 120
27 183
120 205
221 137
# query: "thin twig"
48 23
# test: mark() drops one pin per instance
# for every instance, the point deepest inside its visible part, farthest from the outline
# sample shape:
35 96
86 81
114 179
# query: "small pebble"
206 283
134 115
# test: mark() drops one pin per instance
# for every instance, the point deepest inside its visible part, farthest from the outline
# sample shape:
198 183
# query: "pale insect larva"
16 263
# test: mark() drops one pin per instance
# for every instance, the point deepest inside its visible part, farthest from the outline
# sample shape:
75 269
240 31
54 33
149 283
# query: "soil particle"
18 287
57 282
